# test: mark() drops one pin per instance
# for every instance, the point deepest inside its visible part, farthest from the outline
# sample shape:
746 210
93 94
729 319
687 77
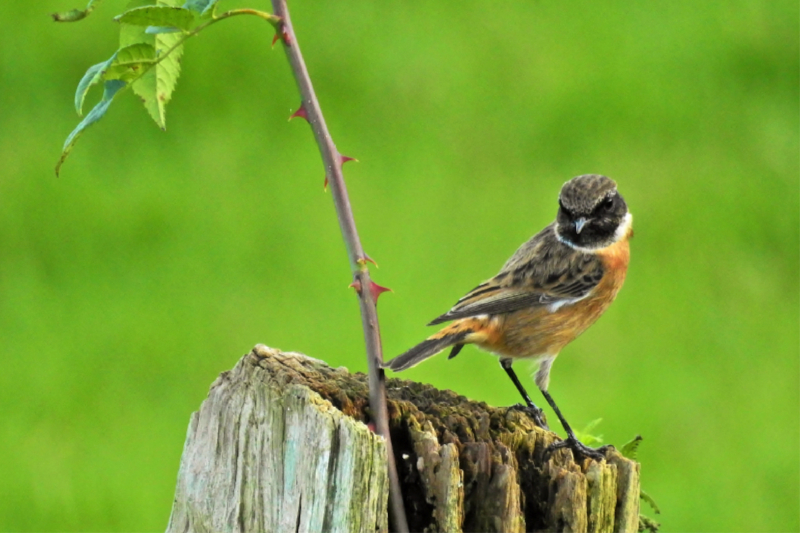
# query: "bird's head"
591 214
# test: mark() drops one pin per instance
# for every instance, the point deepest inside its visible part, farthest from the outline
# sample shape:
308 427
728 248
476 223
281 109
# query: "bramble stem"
332 160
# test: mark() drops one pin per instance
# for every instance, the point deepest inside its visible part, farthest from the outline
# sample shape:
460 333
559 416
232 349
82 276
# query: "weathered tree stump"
283 444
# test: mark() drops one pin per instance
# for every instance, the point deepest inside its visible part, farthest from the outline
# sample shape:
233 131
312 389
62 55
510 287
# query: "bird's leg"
535 413
572 441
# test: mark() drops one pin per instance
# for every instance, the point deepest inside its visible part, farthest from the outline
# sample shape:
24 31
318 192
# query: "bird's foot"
535 413
578 448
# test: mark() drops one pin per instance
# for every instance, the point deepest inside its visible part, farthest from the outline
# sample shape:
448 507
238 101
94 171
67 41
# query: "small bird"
552 289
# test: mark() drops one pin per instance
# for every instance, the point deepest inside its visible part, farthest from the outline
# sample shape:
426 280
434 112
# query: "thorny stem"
332 160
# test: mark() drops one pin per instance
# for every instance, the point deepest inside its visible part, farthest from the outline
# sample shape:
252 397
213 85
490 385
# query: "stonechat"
552 289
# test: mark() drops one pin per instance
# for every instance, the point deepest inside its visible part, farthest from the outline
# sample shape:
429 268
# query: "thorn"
366 259
355 285
325 185
301 112
377 290
282 34
344 159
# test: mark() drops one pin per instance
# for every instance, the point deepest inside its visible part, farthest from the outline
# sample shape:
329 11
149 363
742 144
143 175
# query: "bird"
550 291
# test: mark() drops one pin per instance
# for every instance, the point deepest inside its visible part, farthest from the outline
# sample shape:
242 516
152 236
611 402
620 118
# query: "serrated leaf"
93 76
650 501
111 88
587 436
171 16
592 425
155 87
157 84
74 15
130 61
200 6
630 449
648 524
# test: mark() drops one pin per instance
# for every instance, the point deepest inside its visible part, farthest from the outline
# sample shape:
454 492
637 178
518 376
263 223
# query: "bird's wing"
543 272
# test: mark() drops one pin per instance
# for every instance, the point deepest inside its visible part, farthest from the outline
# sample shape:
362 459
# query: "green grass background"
158 259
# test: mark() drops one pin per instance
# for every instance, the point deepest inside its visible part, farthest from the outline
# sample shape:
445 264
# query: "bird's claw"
535 413
578 448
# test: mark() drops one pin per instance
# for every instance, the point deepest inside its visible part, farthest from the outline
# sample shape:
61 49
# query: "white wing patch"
558 304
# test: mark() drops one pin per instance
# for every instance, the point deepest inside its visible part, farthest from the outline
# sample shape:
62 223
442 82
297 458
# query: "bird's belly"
538 332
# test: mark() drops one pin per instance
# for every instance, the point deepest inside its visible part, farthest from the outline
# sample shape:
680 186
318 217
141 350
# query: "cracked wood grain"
282 443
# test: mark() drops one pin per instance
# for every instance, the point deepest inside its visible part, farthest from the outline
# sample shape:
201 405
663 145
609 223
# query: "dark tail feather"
423 350
454 351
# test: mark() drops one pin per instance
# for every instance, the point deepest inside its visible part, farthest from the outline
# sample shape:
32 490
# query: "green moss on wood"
465 466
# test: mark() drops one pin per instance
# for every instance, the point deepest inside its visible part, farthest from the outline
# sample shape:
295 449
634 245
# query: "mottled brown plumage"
552 289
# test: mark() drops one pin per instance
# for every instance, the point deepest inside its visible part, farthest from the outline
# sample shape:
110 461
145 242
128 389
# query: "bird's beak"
579 224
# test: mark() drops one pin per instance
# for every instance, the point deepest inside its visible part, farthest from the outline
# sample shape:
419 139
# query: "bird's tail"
453 335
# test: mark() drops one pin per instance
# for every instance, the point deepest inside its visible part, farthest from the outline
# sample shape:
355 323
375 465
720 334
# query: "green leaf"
153 30
646 497
587 436
648 524
200 6
111 88
130 61
93 76
155 87
75 14
175 17
630 449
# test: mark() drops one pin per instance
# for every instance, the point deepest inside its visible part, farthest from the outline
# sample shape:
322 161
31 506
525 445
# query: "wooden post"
282 443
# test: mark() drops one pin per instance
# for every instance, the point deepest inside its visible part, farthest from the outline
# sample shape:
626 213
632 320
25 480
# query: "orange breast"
538 331
616 257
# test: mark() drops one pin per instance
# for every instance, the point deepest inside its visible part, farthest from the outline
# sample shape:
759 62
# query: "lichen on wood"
283 444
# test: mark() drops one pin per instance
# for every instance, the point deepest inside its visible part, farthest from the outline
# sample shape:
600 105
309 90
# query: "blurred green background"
158 259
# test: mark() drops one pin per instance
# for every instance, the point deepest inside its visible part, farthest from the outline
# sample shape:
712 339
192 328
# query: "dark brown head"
591 214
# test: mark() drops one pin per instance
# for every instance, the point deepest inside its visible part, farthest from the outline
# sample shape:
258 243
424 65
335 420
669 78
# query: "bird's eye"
608 203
